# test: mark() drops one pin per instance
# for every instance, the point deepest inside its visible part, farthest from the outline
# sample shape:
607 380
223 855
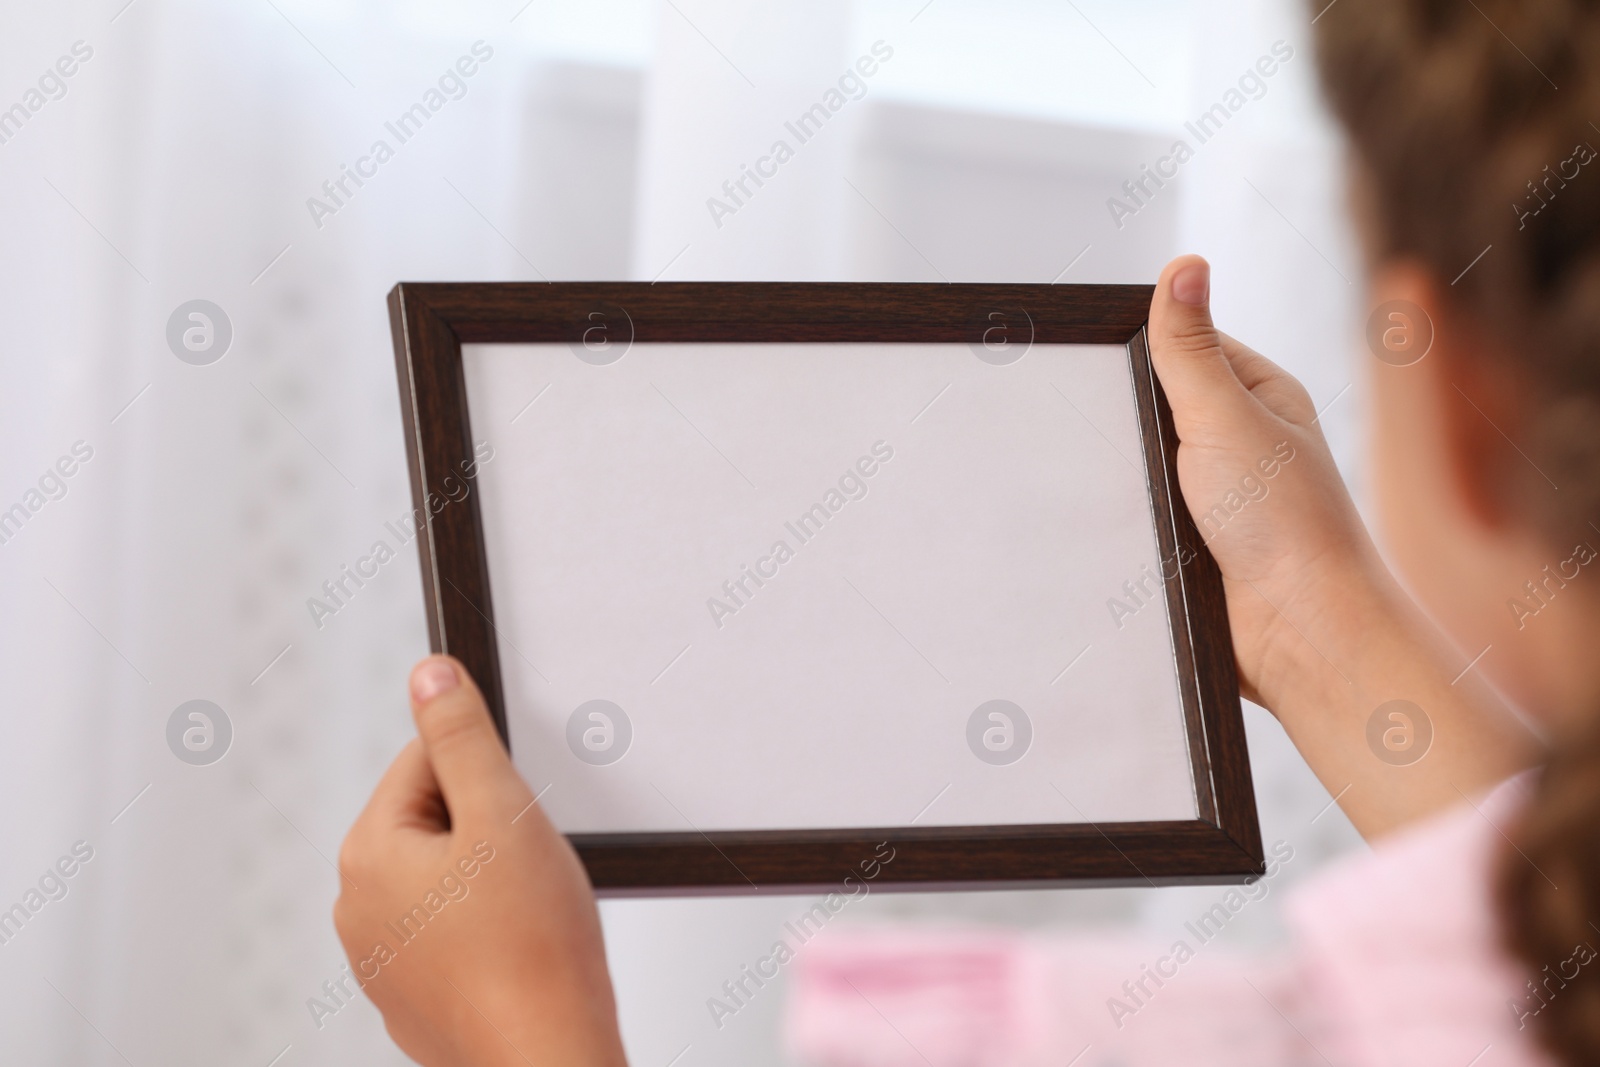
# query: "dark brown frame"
431 321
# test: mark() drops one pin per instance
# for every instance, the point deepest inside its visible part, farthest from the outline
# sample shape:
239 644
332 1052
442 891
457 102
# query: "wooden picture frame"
431 322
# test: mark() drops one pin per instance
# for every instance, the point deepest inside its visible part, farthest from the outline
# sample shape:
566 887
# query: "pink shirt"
1394 960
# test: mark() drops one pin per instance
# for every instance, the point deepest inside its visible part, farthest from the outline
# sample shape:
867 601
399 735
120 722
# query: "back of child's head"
1473 128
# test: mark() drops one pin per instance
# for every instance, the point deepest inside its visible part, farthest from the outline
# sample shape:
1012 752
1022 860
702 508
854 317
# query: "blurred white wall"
178 165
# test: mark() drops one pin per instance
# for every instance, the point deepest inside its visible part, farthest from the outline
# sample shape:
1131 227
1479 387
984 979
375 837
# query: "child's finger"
408 794
1187 351
1278 391
473 769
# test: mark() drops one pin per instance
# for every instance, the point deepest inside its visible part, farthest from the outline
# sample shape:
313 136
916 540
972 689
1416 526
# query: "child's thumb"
1185 347
472 767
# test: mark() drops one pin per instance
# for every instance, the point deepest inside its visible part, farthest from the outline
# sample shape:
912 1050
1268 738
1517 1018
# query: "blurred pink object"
1394 960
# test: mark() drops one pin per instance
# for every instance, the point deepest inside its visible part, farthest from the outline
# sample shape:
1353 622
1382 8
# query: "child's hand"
465 915
1259 480
1323 634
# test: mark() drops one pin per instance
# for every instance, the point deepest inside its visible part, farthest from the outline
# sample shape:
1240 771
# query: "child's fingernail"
431 678
1192 284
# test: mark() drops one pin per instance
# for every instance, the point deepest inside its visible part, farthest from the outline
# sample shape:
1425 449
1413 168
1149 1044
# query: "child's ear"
1463 396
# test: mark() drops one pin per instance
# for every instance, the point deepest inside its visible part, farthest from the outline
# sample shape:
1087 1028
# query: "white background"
1006 507
220 498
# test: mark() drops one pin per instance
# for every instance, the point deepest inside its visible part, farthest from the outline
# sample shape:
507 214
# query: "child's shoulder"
1401 943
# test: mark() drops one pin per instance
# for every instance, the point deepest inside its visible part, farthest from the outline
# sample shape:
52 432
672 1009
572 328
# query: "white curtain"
178 165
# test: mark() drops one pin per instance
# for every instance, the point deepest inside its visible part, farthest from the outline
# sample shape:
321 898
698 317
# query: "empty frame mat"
760 606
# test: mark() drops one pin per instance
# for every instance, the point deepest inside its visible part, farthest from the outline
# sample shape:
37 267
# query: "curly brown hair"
1472 125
